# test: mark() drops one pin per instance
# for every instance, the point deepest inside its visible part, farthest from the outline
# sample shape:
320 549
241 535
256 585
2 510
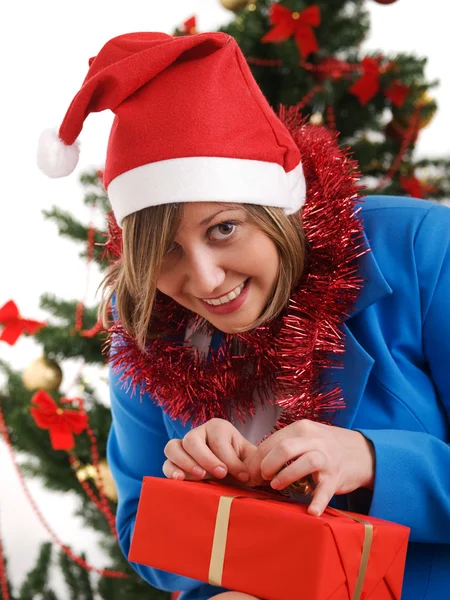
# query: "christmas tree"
64 439
308 54
301 53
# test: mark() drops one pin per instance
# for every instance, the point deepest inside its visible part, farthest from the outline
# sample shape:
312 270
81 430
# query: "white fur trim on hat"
54 157
207 179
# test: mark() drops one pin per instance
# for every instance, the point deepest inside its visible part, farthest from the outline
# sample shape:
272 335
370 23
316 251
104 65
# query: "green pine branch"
36 584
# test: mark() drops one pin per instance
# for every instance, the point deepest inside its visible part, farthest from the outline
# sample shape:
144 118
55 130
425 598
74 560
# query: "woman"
258 337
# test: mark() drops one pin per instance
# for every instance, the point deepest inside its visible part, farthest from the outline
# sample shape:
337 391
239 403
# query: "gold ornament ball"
43 373
90 472
234 5
425 101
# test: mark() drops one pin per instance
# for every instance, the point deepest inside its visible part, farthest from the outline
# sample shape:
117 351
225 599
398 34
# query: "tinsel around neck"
284 361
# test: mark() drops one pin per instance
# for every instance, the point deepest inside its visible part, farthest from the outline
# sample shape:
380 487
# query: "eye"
171 249
222 231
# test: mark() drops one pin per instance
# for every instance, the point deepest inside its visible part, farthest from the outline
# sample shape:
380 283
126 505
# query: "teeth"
225 299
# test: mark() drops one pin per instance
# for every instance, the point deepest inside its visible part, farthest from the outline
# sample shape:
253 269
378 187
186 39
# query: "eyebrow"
211 217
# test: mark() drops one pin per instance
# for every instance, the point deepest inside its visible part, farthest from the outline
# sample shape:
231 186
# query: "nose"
203 273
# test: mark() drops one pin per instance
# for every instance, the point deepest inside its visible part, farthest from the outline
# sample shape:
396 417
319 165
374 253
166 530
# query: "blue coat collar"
357 362
375 285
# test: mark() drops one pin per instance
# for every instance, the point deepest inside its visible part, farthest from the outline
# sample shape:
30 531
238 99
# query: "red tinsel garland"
282 361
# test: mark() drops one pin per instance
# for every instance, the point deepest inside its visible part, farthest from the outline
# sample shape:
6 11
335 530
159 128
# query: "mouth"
229 302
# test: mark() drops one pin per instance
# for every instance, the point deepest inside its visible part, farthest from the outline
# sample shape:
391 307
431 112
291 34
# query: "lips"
225 298
232 305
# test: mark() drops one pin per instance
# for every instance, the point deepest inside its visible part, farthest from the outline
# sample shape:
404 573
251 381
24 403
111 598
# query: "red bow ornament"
298 24
369 84
62 424
397 93
14 324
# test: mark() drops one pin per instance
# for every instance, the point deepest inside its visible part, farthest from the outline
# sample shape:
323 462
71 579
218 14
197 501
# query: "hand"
214 449
339 460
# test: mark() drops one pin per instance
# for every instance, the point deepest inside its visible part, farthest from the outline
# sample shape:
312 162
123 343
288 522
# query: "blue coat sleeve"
135 448
412 479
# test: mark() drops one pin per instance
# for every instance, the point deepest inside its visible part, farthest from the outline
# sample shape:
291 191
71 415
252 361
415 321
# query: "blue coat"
396 383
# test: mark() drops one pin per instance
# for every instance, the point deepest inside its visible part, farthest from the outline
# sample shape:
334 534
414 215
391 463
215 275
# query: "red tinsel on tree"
113 246
331 68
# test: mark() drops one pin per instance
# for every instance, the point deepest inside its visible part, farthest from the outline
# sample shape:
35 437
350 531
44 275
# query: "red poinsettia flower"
14 324
61 423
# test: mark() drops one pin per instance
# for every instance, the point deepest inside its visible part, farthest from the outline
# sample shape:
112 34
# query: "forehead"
193 213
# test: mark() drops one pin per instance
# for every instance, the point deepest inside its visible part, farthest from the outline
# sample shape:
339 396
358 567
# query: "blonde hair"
146 236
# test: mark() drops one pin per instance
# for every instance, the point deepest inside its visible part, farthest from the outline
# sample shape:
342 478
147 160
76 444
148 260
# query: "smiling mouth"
227 297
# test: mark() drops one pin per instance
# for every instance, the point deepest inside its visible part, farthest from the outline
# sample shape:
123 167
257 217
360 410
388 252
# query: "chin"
224 328
231 325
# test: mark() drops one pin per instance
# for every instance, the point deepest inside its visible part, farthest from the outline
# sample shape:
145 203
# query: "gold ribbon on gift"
220 542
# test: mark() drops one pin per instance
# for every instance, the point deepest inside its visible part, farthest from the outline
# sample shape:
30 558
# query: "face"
220 266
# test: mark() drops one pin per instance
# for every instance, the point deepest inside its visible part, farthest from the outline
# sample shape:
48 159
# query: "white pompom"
54 158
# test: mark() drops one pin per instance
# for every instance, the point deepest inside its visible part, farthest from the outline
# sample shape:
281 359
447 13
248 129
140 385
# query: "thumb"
252 461
247 453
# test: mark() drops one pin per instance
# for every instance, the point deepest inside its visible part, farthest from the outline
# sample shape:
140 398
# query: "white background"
44 47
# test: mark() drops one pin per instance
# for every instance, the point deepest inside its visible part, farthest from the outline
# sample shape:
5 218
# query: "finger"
177 454
283 452
307 464
196 447
325 490
172 471
303 429
229 450
253 462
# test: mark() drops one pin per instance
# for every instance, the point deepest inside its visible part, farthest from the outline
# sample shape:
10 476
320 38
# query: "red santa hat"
191 124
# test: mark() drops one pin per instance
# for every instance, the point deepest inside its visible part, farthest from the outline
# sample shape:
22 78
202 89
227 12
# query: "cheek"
166 284
268 259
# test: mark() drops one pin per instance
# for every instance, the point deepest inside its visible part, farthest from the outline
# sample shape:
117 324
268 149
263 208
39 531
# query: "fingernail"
275 483
198 472
315 512
243 477
220 472
177 475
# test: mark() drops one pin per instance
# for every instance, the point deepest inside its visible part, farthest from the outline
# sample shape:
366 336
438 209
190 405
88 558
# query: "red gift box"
252 542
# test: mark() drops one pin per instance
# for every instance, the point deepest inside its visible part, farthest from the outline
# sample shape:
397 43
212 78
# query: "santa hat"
191 125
